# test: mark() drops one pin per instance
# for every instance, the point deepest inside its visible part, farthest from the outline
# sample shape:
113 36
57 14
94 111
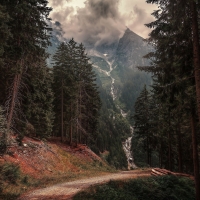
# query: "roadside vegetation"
20 169
153 188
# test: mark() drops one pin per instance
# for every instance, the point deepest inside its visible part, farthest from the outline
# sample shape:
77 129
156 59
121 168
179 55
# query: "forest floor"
69 189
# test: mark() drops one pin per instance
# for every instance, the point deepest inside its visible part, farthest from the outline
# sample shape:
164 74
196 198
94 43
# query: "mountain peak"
131 34
131 49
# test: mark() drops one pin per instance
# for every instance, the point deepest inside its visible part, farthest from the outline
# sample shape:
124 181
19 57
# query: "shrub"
10 172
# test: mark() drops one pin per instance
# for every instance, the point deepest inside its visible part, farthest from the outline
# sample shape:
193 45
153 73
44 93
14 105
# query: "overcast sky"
101 21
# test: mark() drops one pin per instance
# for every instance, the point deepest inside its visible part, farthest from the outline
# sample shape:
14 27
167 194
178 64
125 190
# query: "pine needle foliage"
77 100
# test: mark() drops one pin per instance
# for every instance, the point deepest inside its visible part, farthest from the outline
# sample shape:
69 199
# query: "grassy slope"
40 164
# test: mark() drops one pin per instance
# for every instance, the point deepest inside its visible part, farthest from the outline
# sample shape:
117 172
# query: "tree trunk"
80 121
77 121
195 156
160 157
71 128
180 160
62 124
196 52
169 151
147 150
11 108
169 146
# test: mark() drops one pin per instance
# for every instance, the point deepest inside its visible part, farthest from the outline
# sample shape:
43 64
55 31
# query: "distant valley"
115 65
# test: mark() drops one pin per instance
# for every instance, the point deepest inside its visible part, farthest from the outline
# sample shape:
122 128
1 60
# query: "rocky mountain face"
119 83
131 49
116 63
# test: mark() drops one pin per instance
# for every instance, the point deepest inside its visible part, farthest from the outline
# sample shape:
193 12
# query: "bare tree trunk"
12 104
80 100
195 156
71 128
196 52
62 124
161 157
169 146
180 160
147 150
77 110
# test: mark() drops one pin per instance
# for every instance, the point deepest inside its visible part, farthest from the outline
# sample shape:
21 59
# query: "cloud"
63 15
58 2
137 19
98 21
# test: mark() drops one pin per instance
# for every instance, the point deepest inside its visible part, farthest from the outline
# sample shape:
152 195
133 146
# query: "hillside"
40 163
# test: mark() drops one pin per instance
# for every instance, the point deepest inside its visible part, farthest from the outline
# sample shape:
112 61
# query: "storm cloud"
98 21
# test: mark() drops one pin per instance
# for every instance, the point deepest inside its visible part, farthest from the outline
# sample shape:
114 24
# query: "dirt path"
69 189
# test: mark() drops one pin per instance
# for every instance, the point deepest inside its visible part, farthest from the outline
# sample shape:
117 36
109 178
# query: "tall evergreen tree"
4 31
29 30
37 104
172 68
142 121
77 100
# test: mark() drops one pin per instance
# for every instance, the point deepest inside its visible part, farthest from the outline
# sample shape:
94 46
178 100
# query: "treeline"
63 101
112 130
77 100
38 99
132 86
25 82
167 117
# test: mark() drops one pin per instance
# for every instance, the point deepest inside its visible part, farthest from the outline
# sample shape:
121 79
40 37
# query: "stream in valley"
127 143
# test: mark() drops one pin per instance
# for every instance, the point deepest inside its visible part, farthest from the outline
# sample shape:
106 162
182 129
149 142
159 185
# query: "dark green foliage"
4 30
26 29
38 102
172 103
10 172
134 82
143 127
12 181
154 188
77 100
112 130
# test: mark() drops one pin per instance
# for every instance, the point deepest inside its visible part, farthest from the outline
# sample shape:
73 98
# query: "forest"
63 101
166 117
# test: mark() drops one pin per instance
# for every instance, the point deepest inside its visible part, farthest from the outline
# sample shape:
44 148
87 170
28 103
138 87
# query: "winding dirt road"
68 190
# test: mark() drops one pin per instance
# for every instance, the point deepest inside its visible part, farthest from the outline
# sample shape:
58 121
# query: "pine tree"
29 30
172 68
38 101
77 100
142 121
4 31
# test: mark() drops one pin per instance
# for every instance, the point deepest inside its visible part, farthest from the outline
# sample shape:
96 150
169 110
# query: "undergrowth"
153 188
13 182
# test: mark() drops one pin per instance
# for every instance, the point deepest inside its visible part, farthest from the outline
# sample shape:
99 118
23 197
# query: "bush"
2 145
10 172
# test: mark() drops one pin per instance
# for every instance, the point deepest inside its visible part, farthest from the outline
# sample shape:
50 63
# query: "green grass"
153 188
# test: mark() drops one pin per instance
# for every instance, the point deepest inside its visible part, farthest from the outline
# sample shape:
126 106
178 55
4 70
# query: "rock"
25 145
49 169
